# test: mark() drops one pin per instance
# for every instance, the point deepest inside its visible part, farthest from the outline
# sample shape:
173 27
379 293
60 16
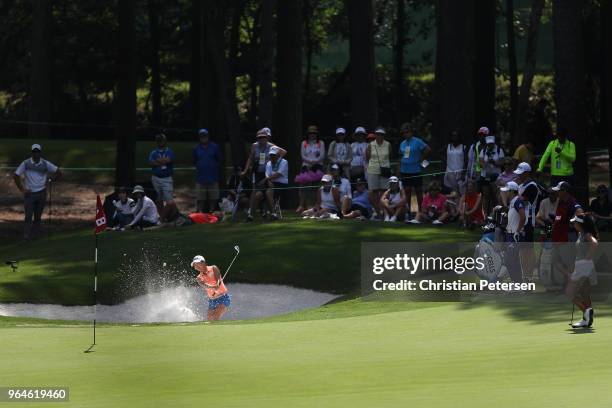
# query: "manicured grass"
317 255
445 355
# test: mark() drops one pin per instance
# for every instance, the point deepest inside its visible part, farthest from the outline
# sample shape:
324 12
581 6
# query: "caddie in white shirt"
31 178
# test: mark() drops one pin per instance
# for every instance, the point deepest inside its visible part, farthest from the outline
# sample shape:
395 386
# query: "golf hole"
181 304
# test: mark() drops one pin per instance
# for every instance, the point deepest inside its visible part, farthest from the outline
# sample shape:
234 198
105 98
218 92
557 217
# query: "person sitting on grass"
393 201
327 201
124 207
145 211
601 208
341 182
358 206
433 208
470 207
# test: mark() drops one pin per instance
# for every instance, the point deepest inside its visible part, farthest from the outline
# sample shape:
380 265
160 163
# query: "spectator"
473 167
358 154
327 202
206 158
601 208
514 229
524 153
433 208
162 162
358 206
313 156
342 183
470 206
31 178
123 210
340 153
145 211
456 163
413 152
548 208
277 179
393 201
379 168
562 154
507 174
237 196
490 159
531 195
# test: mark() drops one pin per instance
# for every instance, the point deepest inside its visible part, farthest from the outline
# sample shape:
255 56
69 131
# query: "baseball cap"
510 186
203 132
197 259
138 189
263 132
274 150
490 139
483 130
36 146
335 167
359 129
312 129
340 131
562 186
380 130
393 179
522 168
327 178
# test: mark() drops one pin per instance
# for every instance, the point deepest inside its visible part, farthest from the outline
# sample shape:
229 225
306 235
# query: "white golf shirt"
282 167
35 174
145 210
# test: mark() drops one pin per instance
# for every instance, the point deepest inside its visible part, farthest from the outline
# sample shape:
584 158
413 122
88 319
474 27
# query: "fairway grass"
421 355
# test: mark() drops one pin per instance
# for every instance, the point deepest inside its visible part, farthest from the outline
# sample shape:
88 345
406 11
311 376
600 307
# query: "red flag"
100 216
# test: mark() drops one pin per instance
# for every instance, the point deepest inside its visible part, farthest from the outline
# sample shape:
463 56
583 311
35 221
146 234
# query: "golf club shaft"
229 267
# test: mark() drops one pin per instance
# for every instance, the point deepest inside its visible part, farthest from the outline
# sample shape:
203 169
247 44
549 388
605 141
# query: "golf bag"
488 249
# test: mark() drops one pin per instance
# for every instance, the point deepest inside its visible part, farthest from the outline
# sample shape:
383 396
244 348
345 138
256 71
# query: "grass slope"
445 355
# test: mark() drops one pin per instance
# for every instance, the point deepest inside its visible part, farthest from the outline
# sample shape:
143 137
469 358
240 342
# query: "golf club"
237 249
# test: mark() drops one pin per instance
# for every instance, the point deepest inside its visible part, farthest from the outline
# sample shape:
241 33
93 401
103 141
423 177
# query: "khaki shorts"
164 187
208 191
377 182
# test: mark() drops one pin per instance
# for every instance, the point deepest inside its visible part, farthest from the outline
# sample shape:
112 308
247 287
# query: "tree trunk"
309 50
570 84
266 63
289 89
400 40
194 84
156 112
39 109
484 67
215 36
606 105
126 94
512 69
528 70
364 102
454 88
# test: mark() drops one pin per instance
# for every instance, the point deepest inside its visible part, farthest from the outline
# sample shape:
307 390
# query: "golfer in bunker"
209 278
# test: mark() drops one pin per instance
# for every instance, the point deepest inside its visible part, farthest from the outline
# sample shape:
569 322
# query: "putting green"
350 354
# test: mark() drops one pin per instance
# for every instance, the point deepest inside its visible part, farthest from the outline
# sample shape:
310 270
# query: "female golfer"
579 285
210 279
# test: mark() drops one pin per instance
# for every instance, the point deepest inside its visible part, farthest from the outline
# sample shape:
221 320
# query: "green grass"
442 355
309 254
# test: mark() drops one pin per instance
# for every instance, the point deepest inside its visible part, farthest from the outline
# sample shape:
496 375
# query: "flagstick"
95 290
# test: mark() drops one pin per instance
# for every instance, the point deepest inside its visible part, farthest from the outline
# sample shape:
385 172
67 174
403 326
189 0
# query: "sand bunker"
181 304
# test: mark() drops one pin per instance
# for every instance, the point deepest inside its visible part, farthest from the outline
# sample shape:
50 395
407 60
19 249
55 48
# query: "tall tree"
266 64
606 105
288 110
529 67
398 51
570 83
39 109
364 102
153 9
126 94
512 68
454 87
484 68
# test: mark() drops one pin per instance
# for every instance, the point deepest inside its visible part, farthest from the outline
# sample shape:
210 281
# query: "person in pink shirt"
433 208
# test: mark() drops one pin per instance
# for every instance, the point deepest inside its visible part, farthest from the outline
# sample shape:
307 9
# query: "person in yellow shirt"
562 154
524 154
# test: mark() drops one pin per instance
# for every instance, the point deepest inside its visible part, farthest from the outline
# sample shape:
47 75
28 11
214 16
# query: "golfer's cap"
522 168
197 259
312 129
327 178
577 218
138 189
381 131
36 146
483 130
341 131
393 179
510 186
264 132
203 132
562 186
274 150
490 139
359 129
335 167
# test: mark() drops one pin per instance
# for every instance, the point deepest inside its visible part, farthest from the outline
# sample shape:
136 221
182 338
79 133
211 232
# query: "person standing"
162 166
413 152
473 167
456 162
379 168
31 178
561 155
312 152
207 159
340 153
524 153
490 159
358 152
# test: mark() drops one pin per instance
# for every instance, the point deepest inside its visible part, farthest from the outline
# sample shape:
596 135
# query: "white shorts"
164 187
584 269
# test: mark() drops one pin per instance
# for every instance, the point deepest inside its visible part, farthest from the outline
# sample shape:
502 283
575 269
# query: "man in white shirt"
145 212
277 179
31 178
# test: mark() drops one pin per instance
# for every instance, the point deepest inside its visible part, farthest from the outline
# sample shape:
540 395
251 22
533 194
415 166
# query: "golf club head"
236 248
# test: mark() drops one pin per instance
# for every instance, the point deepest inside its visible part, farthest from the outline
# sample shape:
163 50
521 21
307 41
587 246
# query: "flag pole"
95 291
100 226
